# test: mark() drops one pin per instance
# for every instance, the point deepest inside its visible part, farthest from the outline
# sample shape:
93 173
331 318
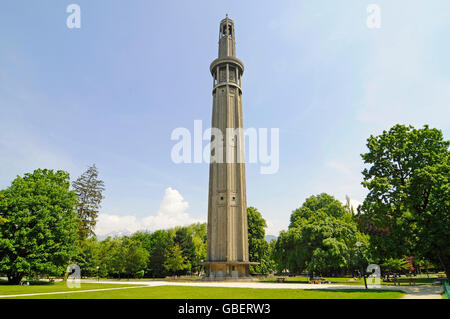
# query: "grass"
186 292
43 287
125 279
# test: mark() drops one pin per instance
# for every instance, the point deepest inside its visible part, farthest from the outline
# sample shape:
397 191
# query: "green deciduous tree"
41 233
135 256
199 239
105 255
258 247
3 221
408 199
190 239
395 265
87 256
184 239
89 190
160 246
321 238
175 262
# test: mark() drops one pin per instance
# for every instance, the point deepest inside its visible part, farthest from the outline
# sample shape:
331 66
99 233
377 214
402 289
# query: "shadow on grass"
350 291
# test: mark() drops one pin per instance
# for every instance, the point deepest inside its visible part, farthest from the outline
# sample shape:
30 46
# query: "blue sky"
112 92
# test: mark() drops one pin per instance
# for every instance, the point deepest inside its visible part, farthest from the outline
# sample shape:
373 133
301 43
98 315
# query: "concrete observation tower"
227 253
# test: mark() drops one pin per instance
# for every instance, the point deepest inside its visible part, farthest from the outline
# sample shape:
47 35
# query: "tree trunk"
14 279
445 262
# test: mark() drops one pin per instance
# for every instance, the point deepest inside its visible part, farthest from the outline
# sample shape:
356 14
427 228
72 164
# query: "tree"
89 190
321 238
160 246
87 256
258 247
190 239
184 239
199 238
116 261
175 261
135 256
408 183
41 233
395 265
105 252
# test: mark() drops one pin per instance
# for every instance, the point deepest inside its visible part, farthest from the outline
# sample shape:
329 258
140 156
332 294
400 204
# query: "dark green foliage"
160 244
321 239
89 190
119 257
199 240
161 253
87 257
41 233
184 240
175 262
258 247
407 208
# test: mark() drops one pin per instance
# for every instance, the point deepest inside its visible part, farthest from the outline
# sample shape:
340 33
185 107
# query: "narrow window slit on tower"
232 74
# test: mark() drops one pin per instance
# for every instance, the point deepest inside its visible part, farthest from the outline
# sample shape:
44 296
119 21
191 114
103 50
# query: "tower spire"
227 43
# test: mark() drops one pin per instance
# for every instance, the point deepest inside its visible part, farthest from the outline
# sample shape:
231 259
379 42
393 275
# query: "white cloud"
171 213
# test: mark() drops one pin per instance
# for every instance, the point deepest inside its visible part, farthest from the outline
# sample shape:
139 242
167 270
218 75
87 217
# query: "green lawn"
125 279
185 292
52 287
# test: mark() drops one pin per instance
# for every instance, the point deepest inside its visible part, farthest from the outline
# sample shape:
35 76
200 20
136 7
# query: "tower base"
227 270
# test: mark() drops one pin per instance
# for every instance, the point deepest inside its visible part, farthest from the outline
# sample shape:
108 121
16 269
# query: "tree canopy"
89 189
258 248
409 193
321 238
41 233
